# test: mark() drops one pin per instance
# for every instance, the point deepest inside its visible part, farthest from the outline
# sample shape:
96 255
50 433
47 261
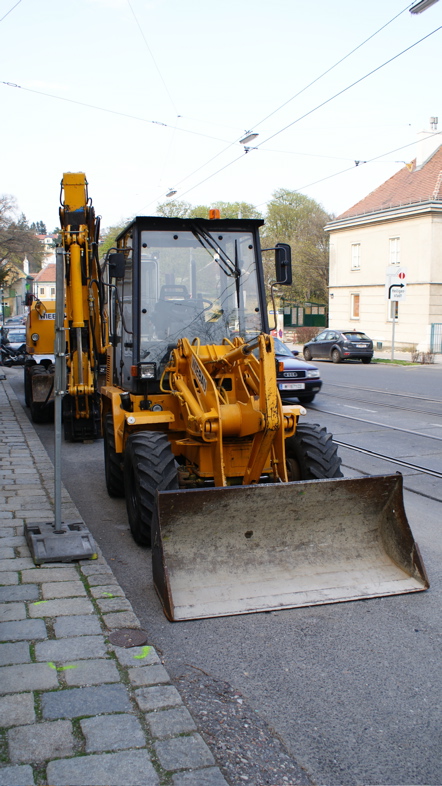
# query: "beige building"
395 229
44 283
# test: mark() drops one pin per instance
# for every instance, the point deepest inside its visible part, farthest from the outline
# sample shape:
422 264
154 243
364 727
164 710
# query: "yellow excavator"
244 505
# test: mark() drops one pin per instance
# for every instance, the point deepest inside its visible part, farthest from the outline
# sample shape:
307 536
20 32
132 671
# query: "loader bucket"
243 549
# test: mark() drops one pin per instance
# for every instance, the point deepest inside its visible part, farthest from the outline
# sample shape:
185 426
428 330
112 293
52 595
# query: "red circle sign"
401 275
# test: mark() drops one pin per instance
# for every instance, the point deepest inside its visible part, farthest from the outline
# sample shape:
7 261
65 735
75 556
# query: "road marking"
360 409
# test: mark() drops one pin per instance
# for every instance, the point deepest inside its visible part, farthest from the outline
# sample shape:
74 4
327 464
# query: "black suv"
340 345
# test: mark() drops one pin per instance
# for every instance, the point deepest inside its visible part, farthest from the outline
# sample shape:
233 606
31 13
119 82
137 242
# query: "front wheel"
149 466
311 454
306 399
336 356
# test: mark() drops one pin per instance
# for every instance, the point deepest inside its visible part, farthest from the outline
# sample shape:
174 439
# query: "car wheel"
307 354
306 399
366 360
336 356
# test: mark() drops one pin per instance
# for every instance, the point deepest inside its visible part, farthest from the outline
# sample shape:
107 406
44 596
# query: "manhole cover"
128 637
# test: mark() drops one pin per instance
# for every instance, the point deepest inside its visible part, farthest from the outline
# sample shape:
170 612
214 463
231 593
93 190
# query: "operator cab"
195 278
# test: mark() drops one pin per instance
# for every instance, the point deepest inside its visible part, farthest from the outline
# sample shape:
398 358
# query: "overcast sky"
149 95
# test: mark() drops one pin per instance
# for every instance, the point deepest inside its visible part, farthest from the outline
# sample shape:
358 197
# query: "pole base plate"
72 542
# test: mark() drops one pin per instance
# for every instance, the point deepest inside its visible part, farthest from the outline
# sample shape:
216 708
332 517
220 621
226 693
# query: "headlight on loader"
147 370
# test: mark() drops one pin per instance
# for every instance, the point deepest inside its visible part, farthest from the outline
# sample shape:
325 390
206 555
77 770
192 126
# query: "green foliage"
180 209
39 227
17 240
298 220
108 237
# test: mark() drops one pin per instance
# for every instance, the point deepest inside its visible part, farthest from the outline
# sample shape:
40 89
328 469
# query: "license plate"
361 346
291 385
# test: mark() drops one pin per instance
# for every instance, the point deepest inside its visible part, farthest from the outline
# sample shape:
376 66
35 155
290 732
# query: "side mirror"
117 265
283 263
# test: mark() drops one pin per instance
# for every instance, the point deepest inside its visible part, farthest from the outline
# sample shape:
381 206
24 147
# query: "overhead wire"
11 9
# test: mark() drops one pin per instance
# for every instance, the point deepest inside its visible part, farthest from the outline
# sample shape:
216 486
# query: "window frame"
355 297
355 265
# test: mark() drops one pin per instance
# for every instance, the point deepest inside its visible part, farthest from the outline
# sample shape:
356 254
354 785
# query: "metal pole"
60 379
393 313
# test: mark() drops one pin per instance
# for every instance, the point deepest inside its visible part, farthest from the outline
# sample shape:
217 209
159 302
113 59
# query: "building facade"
398 227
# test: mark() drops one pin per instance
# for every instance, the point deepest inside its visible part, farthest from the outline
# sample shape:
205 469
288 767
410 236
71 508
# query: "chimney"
428 142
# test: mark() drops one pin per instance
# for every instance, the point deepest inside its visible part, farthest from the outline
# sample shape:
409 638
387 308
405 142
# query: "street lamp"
250 135
422 5
171 192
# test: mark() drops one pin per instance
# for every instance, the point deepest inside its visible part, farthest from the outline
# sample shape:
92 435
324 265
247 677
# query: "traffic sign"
396 283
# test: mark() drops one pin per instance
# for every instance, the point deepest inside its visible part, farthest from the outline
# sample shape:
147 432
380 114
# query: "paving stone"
123 619
112 732
40 742
101 591
12 611
110 768
23 630
208 777
69 649
6 552
18 563
183 752
14 653
114 604
61 607
168 723
16 775
43 575
8 578
148 675
95 567
91 672
99 579
63 589
85 701
157 697
27 676
13 540
17 710
19 592
81 625
136 656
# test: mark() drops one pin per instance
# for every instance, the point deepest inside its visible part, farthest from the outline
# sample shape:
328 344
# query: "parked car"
338 345
16 321
16 337
298 379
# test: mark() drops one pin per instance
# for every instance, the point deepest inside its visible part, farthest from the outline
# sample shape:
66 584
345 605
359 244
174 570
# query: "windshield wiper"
221 258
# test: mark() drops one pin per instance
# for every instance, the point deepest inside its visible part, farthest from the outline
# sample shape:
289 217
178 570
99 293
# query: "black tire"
311 454
307 354
336 356
306 399
27 384
366 360
149 466
113 462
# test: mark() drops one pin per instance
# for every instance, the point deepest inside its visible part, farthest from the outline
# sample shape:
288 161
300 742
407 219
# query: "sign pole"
392 327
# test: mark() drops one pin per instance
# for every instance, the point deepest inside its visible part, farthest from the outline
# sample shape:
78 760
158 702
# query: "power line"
110 111
11 9
153 59
332 67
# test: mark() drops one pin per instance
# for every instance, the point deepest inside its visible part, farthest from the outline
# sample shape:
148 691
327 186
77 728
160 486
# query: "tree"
17 240
181 209
298 220
108 238
39 227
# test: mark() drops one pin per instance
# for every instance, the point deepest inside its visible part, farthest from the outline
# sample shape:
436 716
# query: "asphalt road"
344 694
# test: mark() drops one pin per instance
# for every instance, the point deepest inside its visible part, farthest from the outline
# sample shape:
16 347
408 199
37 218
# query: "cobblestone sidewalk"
76 710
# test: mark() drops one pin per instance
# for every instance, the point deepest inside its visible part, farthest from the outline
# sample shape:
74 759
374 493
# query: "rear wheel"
149 466
113 469
366 360
41 411
336 356
307 354
311 454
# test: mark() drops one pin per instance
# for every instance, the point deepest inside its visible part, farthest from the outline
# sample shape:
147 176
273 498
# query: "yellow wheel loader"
39 363
244 506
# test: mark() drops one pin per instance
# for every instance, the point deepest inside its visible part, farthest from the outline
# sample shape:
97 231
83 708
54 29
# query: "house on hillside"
44 283
396 227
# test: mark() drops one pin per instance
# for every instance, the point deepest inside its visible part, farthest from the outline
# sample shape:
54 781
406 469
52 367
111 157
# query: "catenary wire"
11 9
